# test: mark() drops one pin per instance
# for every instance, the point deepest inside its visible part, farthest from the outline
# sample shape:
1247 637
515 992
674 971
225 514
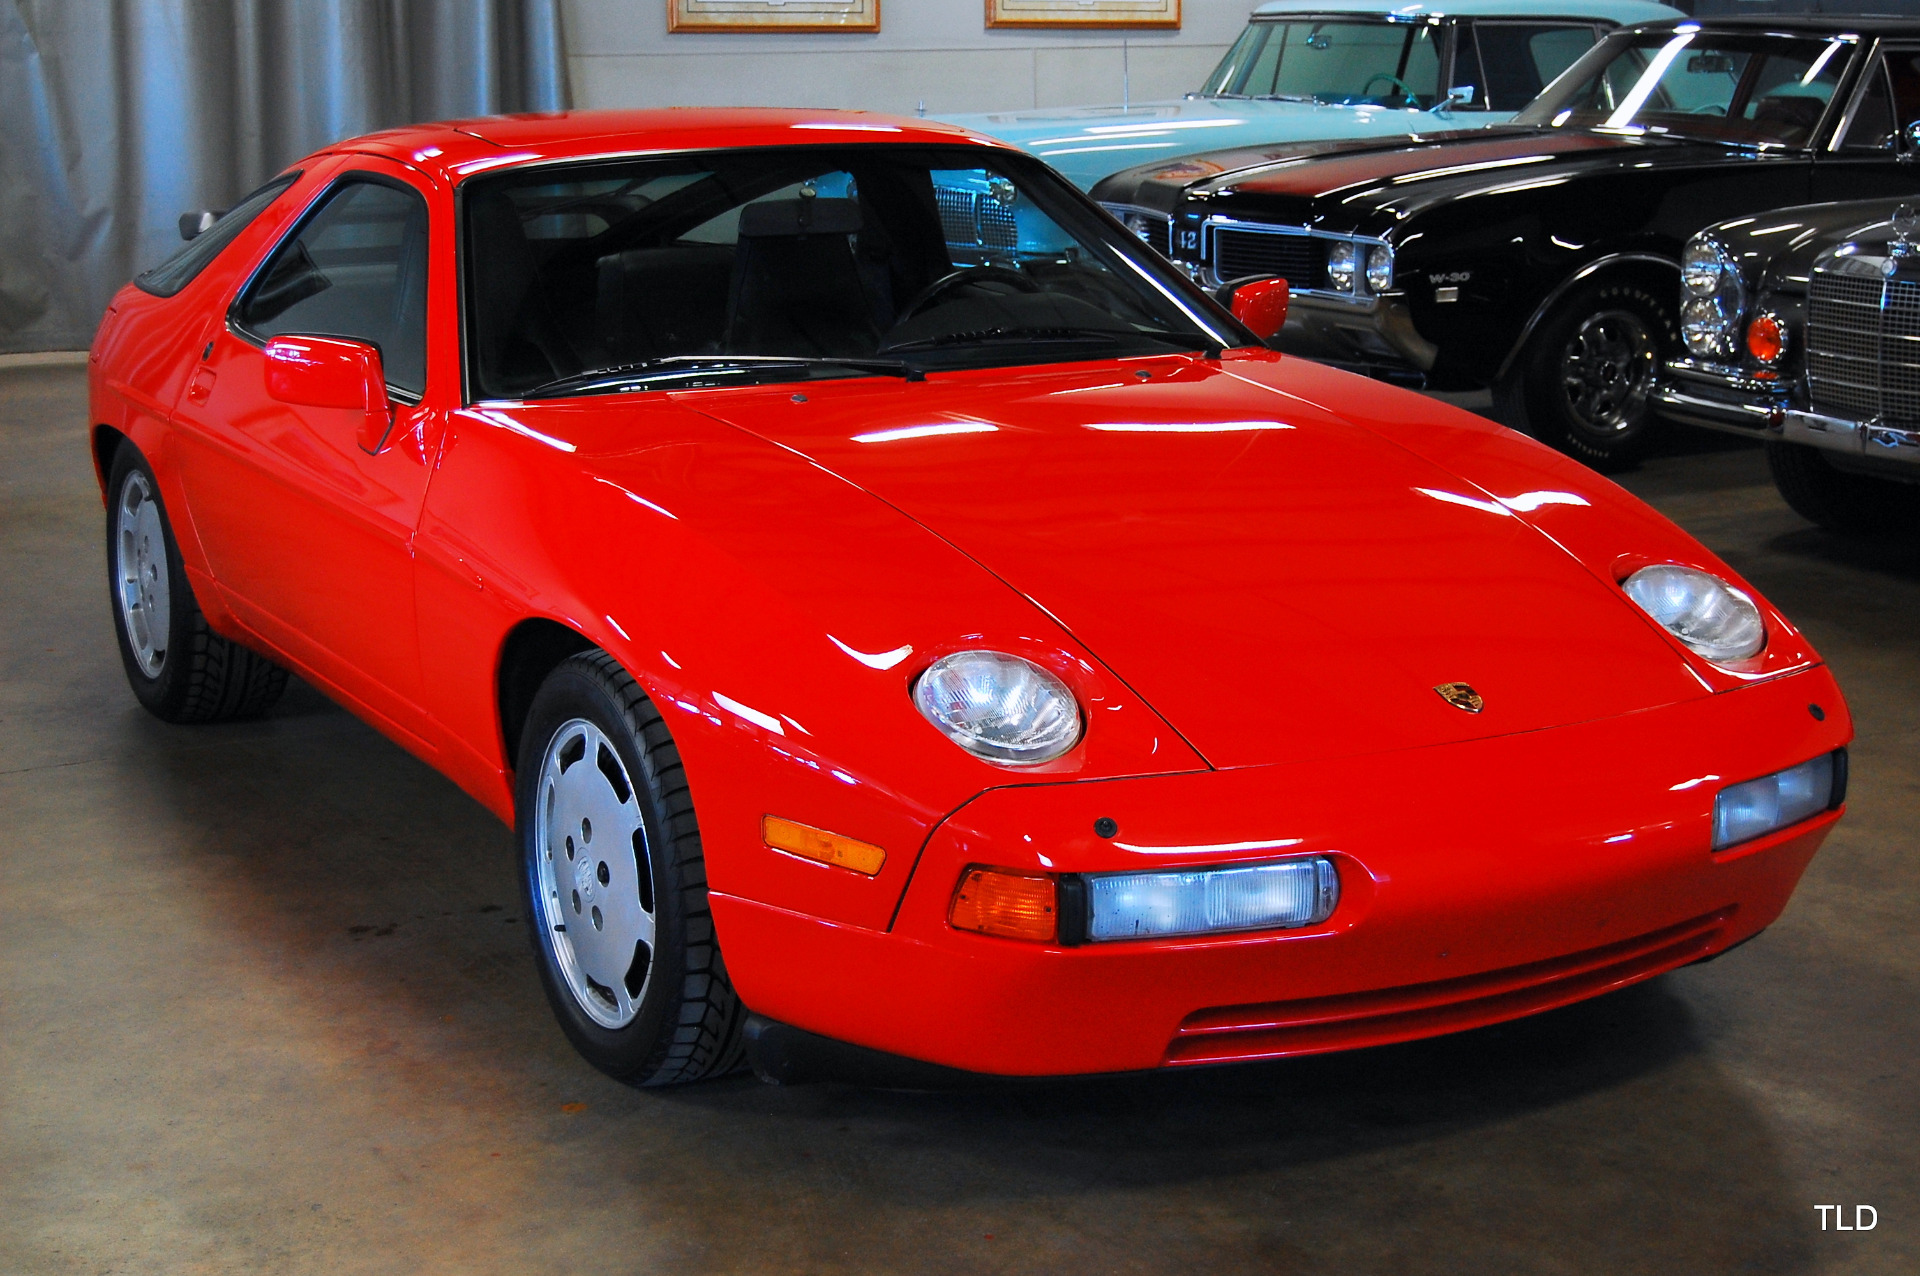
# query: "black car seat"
797 286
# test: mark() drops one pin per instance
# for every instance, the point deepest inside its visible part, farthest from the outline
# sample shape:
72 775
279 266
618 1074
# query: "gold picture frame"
1083 14
773 15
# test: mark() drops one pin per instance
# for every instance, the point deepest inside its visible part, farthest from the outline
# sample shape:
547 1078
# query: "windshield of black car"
1743 89
1344 62
768 257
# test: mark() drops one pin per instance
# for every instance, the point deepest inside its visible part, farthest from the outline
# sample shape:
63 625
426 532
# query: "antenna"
1126 78
922 108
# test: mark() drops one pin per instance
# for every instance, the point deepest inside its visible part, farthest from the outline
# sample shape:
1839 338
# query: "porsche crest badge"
1461 696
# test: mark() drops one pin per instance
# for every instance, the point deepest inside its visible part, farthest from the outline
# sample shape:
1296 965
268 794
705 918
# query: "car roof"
457 149
1626 12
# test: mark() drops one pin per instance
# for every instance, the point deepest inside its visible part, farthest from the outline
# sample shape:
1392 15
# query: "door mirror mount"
1261 304
329 372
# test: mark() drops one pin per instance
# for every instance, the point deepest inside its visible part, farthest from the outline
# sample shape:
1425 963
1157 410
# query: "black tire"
180 670
1587 375
685 1022
1852 504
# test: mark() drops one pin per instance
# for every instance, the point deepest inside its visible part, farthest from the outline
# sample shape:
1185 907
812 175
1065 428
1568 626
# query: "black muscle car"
1542 259
1802 327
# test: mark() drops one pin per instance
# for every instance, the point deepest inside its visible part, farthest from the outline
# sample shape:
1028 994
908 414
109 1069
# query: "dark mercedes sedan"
1802 328
1543 259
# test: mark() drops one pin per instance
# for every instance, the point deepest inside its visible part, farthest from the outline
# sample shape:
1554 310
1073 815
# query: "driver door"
310 536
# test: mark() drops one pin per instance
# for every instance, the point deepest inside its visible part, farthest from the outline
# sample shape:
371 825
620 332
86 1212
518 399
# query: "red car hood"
1277 581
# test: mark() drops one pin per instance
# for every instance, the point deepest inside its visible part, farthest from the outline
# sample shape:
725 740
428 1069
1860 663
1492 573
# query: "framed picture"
774 15
1083 13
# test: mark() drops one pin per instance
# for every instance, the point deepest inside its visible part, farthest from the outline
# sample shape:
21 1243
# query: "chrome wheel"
1607 372
140 573
595 879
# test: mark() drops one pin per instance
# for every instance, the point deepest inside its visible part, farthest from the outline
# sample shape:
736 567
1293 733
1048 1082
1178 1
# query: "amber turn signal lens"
818 844
1011 905
1766 338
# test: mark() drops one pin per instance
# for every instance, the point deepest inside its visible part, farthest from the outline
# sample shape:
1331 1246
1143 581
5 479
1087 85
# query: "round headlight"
1343 263
1708 324
1706 266
999 707
1380 268
1710 616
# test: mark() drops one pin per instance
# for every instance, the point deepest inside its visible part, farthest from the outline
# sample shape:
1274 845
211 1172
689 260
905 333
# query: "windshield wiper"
684 366
982 336
1287 97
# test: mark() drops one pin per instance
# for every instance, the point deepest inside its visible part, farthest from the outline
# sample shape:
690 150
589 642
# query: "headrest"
775 217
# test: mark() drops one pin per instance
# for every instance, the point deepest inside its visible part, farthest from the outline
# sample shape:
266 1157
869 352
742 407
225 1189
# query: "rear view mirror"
1261 304
327 372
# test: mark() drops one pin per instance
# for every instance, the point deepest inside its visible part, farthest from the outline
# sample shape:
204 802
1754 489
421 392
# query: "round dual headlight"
999 707
1710 616
1715 296
1343 264
1380 267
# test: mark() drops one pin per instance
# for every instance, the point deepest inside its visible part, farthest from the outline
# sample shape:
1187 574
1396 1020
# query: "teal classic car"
1309 70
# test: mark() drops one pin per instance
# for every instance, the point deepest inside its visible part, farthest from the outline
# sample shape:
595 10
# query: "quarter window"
357 269
1888 104
1510 62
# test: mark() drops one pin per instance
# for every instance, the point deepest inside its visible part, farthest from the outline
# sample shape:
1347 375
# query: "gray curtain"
118 115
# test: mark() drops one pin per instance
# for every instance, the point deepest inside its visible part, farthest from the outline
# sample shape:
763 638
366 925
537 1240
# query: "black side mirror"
192 224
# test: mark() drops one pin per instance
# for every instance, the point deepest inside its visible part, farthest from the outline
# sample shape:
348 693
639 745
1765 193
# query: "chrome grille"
1863 347
1299 259
971 219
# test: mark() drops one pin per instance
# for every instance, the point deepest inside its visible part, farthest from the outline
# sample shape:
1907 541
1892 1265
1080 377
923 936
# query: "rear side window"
1512 61
1890 102
177 271
357 269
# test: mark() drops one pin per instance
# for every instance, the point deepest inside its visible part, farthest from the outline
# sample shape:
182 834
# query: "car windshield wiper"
1287 97
684 366
1023 336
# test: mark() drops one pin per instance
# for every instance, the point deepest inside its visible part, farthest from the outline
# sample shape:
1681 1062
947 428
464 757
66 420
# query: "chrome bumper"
1373 332
1723 399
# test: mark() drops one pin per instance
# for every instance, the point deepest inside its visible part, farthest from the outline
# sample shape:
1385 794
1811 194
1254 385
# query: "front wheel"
1588 375
1852 504
615 883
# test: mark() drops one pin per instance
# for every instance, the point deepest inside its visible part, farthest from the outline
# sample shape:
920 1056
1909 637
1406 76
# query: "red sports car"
890 600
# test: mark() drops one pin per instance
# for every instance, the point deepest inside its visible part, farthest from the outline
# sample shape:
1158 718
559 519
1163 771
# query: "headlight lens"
1343 263
999 707
1710 616
1714 297
1379 267
1742 812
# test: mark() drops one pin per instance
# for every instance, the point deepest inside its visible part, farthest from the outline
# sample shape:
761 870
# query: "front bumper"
1480 882
1728 400
1374 335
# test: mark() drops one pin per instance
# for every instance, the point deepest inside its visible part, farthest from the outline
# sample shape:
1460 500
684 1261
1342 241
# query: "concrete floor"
266 1006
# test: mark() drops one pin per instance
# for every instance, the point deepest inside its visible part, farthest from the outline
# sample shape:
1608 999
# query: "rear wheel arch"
106 443
533 649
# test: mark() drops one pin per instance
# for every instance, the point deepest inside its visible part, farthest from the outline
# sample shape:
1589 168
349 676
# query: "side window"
357 269
179 270
1888 104
1518 59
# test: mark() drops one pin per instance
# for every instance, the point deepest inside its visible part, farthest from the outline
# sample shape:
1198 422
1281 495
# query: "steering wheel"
965 275
1406 89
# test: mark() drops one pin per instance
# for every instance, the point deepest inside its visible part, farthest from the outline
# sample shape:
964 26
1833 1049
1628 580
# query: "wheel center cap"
583 874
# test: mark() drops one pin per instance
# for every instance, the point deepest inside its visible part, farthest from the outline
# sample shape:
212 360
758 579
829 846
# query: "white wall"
939 51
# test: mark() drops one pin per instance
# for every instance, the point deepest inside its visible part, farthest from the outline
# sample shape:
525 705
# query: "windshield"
1345 62
1754 90
714 268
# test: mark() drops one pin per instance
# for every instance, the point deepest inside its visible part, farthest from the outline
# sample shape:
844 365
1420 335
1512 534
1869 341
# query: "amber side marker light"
1766 338
1010 905
817 844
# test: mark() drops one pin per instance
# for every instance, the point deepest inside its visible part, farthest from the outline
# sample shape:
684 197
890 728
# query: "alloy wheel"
595 878
140 573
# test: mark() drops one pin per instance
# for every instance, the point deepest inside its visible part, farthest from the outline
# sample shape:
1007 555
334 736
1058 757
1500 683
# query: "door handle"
200 389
